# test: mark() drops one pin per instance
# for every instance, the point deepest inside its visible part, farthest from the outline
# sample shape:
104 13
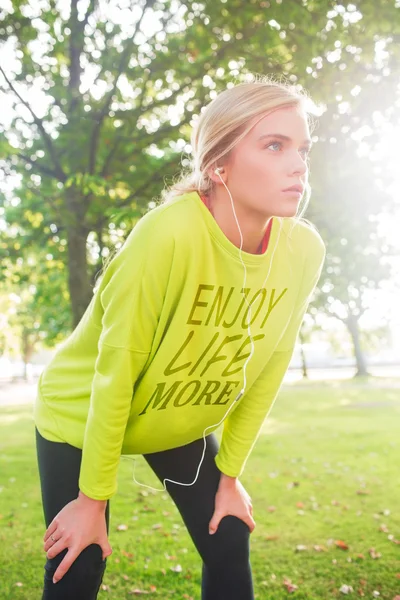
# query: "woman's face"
269 159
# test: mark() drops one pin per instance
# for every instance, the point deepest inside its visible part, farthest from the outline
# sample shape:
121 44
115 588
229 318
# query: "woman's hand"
232 499
80 523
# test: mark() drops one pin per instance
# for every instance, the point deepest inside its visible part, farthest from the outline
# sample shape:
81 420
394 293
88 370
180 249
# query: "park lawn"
325 470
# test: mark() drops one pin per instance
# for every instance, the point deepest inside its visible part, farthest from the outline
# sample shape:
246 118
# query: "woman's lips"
294 193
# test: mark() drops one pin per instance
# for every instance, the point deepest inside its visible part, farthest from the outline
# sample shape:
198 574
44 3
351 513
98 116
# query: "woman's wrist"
227 480
99 504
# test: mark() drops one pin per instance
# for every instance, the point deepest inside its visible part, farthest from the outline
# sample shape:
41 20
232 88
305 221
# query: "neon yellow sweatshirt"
158 354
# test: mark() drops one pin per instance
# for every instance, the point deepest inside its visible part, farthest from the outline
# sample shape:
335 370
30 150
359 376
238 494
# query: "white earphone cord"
240 394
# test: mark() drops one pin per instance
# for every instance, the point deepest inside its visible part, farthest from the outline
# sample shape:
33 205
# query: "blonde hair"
227 120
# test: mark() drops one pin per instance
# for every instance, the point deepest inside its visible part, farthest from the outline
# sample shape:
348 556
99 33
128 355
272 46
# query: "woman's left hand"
232 499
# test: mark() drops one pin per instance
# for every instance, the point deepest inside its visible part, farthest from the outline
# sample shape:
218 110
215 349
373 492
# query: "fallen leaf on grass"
271 508
300 548
384 528
363 492
342 545
18 584
290 587
391 538
177 569
271 538
292 484
138 592
320 548
127 554
157 526
105 588
374 554
346 589
122 527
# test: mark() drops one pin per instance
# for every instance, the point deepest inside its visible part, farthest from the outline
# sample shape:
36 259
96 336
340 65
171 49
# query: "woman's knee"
230 544
85 573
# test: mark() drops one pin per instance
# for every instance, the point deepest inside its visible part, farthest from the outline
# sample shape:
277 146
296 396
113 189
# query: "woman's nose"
300 165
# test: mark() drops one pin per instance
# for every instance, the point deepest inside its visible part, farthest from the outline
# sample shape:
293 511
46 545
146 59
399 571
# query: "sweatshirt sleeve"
243 425
131 296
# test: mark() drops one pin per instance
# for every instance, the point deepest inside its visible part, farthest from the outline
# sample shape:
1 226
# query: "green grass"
322 445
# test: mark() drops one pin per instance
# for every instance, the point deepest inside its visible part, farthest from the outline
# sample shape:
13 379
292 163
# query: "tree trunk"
27 351
78 279
303 362
352 324
303 357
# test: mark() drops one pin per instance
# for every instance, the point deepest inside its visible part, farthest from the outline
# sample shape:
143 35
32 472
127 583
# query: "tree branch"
125 55
91 8
44 170
154 178
136 112
75 50
106 164
39 124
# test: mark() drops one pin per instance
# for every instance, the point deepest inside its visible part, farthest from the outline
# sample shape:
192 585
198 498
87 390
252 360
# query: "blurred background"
97 103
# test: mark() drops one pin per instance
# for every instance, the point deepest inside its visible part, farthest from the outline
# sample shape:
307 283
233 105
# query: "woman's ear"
217 173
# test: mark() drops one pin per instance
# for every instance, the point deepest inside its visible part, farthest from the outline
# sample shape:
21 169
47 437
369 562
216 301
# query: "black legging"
226 569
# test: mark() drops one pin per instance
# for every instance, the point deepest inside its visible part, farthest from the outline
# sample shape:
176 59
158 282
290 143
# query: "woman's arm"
132 294
243 424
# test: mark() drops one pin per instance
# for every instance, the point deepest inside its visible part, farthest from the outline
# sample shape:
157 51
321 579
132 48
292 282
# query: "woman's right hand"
80 523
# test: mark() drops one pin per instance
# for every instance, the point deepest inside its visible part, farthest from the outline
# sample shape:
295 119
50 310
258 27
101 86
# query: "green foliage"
105 140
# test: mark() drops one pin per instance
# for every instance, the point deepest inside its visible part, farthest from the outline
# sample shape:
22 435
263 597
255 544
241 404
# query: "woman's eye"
304 151
274 144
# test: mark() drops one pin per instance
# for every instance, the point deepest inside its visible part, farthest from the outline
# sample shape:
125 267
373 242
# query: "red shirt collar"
265 241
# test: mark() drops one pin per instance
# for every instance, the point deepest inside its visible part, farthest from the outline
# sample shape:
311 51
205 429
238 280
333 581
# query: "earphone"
217 171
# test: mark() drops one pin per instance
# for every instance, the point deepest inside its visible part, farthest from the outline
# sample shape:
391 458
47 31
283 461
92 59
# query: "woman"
195 317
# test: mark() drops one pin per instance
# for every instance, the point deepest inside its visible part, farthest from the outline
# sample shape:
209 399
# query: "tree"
121 90
32 286
346 207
